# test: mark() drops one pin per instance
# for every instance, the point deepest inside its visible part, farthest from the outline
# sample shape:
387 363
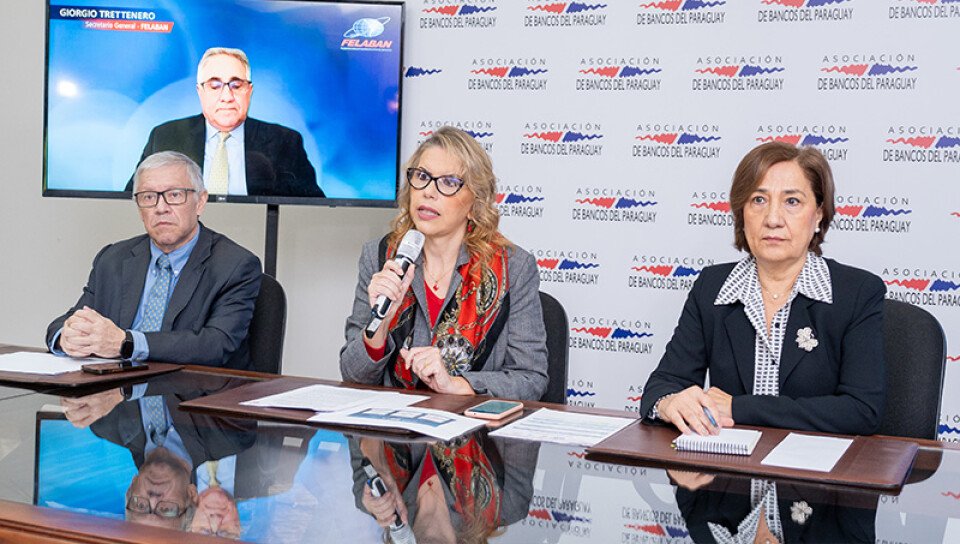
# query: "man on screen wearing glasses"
180 293
239 155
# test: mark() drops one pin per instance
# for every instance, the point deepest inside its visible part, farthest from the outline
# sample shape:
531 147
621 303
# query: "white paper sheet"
41 363
806 452
435 423
572 428
328 398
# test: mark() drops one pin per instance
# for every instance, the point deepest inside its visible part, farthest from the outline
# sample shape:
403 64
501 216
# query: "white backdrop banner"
615 128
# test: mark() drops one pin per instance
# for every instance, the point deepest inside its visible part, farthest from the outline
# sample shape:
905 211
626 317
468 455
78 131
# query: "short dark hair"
754 166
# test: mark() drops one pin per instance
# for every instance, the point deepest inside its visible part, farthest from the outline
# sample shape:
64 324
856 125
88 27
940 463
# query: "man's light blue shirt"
236 165
178 260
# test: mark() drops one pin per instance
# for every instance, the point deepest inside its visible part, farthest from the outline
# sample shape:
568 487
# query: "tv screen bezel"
242 199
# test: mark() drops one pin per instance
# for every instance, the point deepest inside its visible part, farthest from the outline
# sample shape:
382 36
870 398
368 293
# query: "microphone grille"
411 244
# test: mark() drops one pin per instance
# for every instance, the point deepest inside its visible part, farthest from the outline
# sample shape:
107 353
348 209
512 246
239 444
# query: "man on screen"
239 155
180 293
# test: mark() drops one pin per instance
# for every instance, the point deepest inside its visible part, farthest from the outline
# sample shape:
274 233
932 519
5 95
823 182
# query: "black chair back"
268 326
915 354
558 334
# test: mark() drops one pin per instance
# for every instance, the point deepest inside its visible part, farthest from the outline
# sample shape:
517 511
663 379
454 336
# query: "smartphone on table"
113 367
494 409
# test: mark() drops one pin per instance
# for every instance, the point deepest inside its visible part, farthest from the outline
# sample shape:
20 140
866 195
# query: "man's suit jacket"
276 161
836 387
209 312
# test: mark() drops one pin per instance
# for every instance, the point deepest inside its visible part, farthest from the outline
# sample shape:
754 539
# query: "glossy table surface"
294 483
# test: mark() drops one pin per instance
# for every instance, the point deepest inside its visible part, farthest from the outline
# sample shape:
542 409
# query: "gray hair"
170 158
229 51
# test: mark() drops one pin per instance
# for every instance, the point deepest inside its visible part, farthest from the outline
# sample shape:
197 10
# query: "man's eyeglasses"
216 85
164 509
173 197
418 178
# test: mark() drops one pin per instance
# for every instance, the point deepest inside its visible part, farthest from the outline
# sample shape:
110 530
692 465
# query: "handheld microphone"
400 533
409 250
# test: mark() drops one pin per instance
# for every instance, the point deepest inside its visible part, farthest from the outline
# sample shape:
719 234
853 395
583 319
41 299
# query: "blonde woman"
466 317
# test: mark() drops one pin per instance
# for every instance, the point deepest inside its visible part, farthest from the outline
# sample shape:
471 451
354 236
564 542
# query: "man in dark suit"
238 155
180 293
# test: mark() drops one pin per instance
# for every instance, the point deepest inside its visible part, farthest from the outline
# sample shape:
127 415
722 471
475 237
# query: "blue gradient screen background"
107 89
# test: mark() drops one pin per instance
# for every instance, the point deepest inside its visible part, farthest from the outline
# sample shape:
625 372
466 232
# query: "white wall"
48 243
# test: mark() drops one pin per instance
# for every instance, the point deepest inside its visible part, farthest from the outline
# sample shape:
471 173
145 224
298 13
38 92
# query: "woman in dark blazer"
790 339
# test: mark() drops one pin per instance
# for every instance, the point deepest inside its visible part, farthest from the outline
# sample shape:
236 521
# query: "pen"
710 416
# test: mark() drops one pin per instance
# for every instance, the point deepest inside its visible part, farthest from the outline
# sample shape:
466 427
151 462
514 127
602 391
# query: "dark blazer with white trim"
838 386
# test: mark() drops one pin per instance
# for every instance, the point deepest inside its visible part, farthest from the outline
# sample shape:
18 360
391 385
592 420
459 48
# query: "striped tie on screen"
217 183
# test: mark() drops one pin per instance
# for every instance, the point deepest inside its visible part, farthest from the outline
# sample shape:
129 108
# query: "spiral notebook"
729 441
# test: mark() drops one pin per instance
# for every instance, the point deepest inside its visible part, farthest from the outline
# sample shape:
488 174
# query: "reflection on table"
131 453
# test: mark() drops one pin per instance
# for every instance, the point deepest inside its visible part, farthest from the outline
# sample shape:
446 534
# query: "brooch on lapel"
805 339
800 511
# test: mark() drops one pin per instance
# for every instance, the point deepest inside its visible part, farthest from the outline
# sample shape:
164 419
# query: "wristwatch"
126 348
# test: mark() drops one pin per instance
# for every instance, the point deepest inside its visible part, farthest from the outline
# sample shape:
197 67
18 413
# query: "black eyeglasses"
418 178
164 509
173 197
216 85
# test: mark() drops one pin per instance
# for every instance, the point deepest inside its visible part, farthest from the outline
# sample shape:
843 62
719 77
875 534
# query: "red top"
434 305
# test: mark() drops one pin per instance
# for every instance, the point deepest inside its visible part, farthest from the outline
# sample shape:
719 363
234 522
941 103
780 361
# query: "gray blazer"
517 365
209 313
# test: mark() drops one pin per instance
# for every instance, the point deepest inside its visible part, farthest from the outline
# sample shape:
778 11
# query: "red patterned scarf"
461 332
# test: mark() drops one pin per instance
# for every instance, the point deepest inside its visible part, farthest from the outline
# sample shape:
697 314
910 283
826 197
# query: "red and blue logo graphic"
677 138
943 428
566 264
475 134
740 70
875 69
620 71
924 284
418 71
870 211
563 136
951 494
634 398
577 454
616 203
566 7
508 71
514 197
574 393
803 3
459 9
926 142
659 529
668 271
611 332
804 139
722 206
557 516
682 5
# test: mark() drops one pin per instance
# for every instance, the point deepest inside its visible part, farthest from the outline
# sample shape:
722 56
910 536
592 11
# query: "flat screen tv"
318 114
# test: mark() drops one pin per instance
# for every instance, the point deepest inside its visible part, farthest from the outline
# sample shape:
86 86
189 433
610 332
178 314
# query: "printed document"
328 398
807 452
547 425
41 363
435 423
